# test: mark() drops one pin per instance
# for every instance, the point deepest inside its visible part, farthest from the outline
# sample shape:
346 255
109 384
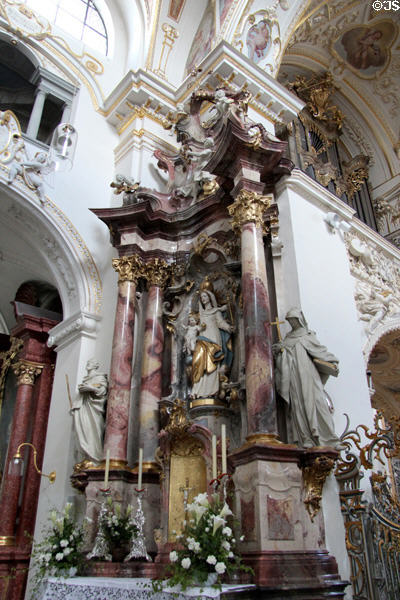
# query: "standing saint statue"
212 353
303 366
88 412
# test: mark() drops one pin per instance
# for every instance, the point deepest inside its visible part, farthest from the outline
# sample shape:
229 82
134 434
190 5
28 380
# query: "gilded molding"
26 371
157 272
249 207
129 268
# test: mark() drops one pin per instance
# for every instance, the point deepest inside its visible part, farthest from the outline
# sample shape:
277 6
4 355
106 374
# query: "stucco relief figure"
372 305
212 355
34 170
303 366
88 412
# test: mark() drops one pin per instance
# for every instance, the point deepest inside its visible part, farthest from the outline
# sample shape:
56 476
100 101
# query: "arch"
57 245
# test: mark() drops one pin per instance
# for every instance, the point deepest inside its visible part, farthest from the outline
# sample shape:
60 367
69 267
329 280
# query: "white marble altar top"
100 588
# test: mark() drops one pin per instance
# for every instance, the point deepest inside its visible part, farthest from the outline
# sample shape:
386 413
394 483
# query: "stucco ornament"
88 412
303 366
33 172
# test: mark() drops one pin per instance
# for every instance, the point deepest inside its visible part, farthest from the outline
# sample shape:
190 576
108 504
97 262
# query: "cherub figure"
33 171
221 107
192 331
124 183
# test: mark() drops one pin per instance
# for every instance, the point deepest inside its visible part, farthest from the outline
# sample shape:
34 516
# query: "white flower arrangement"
59 553
206 545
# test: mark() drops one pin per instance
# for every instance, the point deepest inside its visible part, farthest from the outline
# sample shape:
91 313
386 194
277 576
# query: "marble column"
117 420
26 372
157 272
36 114
247 212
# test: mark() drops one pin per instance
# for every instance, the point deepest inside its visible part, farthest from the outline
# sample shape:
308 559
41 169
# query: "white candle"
140 468
223 447
107 470
214 457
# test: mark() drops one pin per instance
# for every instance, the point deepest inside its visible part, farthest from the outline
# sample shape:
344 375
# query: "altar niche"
187 479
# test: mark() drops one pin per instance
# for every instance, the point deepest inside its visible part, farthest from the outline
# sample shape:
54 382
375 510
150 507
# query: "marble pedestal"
122 484
283 546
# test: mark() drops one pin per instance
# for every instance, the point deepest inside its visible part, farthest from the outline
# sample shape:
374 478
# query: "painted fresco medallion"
366 50
258 40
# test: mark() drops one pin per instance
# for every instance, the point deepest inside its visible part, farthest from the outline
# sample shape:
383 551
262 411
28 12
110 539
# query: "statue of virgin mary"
212 354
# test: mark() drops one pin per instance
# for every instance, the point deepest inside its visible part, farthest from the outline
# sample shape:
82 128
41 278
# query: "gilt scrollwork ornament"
26 371
178 422
129 268
383 442
249 207
16 344
316 92
315 471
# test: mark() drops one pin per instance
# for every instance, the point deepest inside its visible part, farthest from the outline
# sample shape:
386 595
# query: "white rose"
211 559
231 555
64 543
227 531
220 568
67 551
241 538
185 562
59 556
226 545
173 556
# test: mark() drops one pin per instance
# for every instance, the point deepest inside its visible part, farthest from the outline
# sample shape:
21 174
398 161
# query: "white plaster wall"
316 277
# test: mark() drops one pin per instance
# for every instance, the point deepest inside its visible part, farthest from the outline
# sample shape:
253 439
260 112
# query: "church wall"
316 276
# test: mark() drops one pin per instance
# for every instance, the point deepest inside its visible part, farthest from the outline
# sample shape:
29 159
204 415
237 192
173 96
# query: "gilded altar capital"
157 272
129 268
26 371
249 207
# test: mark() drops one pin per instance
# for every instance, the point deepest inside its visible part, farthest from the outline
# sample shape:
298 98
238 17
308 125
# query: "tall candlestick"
107 470
214 457
223 448
140 468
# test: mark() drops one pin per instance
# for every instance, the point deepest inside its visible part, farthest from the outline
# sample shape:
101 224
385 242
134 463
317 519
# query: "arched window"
79 18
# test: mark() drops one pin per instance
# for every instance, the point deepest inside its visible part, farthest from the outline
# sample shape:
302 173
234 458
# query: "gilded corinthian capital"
129 268
248 207
26 371
157 271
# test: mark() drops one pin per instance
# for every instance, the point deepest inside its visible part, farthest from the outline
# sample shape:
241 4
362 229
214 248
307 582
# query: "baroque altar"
197 335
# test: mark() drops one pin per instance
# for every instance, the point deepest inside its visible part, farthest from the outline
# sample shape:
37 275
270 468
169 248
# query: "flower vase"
211 579
118 553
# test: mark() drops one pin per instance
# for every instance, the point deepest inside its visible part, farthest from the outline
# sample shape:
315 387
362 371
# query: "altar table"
103 588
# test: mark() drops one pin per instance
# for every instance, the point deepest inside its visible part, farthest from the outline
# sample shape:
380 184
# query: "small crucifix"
277 323
185 491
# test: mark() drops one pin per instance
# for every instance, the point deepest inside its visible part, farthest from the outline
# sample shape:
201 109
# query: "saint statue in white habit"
212 353
88 412
303 366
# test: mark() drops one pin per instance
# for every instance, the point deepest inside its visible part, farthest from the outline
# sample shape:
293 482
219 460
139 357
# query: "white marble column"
36 114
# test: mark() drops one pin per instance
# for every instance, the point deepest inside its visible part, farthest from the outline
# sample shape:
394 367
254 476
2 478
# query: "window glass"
79 18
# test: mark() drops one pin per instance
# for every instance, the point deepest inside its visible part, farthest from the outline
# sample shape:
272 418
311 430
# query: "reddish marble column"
42 395
247 212
156 272
26 373
116 431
